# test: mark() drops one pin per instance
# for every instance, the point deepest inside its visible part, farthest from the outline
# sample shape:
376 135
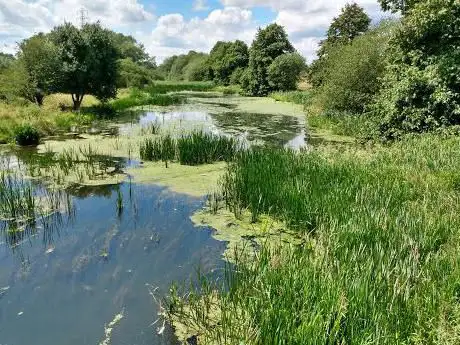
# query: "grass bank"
381 263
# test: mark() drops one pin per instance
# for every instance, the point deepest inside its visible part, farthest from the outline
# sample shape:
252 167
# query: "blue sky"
168 27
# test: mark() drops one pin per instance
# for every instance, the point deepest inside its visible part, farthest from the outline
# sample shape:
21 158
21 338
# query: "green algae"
244 237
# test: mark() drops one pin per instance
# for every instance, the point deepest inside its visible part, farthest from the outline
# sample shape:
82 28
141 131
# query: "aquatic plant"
193 148
26 135
380 261
204 148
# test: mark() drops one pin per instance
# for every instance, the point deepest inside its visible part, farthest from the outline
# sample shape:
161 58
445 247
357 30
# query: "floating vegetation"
195 148
25 207
109 328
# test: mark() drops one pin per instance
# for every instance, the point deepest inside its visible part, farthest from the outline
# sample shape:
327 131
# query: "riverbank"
379 258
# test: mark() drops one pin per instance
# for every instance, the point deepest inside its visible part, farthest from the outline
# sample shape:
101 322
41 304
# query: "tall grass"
170 86
381 263
297 97
193 148
140 97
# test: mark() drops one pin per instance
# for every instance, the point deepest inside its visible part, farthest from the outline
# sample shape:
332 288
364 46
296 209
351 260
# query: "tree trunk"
77 99
39 96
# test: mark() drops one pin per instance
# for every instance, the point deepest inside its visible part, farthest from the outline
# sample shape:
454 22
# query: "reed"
380 261
193 148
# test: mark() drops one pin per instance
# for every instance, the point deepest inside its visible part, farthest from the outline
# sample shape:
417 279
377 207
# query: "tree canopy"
89 61
226 57
269 43
40 59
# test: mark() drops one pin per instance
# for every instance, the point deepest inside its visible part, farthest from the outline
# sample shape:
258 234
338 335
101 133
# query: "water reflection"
67 285
273 130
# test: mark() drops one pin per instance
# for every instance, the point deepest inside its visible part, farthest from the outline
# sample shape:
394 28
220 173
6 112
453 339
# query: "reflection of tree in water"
273 130
83 191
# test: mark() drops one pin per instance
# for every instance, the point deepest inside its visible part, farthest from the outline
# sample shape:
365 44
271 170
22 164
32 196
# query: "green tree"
422 85
39 56
89 61
5 60
353 72
269 43
226 57
15 82
284 72
352 22
397 5
132 74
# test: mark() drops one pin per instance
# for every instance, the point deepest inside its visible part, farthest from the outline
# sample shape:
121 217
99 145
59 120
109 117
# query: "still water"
63 284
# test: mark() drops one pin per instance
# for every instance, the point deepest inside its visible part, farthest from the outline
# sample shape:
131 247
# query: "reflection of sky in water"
63 291
276 130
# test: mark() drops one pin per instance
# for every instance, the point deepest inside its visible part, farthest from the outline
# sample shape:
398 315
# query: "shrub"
26 135
420 91
284 72
351 74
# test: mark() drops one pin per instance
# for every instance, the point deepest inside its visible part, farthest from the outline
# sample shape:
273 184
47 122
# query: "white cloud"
200 5
306 21
175 33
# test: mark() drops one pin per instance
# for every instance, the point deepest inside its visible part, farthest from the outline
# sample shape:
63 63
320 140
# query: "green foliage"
129 48
269 43
351 23
397 5
15 83
297 97
352 72
379 260
26 135
89 61
5 60
132 74
41 61
227 57
192 67
168 86
194 148
422 83
145 97
284 72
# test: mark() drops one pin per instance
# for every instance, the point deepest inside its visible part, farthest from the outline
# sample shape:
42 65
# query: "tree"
353 72
269 43
5 60
421 89
351 23
89 61
40 59
397 5
15 82
132 74
284 72
226 57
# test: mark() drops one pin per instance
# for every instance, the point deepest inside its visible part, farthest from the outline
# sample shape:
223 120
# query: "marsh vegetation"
334 195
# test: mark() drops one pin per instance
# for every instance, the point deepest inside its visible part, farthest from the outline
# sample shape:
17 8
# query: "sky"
170 27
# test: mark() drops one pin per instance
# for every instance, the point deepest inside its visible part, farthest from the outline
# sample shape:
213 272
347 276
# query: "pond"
86 276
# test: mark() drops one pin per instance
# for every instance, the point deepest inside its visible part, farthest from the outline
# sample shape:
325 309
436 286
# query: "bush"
284 72
26 135
420 91
351 74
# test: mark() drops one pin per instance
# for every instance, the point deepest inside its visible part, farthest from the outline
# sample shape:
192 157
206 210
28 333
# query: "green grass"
381 259
139 97
297 97
170 86
194 148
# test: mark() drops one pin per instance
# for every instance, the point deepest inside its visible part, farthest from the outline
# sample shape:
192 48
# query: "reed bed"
381 260
167 87
195 148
